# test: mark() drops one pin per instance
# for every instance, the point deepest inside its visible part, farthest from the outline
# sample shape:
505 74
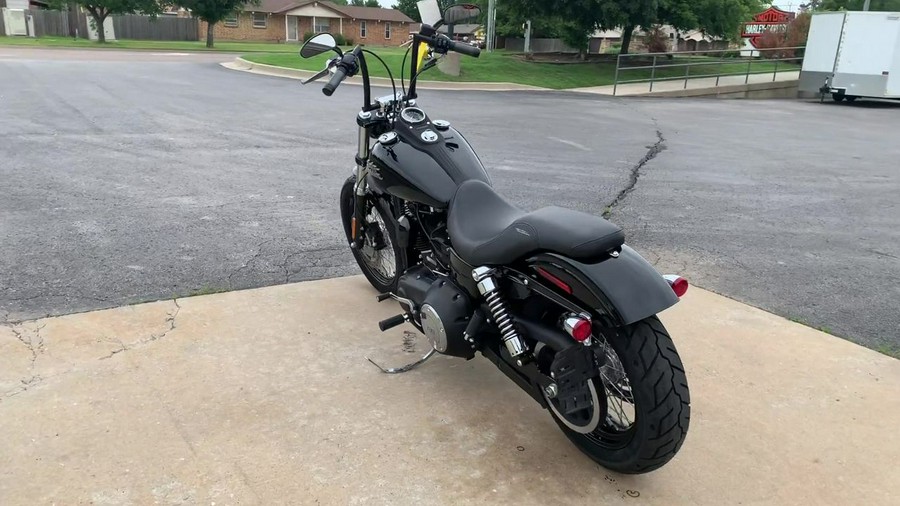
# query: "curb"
243 65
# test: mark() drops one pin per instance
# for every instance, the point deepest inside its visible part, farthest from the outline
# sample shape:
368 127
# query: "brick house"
289 20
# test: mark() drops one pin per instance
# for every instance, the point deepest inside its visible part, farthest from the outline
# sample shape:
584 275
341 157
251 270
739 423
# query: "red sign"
770 20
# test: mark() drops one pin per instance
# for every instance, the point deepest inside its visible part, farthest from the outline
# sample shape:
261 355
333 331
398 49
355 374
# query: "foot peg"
393 322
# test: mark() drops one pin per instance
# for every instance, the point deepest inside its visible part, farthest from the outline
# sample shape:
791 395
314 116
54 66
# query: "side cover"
625 290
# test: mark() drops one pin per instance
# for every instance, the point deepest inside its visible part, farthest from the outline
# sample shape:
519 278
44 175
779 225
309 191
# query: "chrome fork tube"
362 154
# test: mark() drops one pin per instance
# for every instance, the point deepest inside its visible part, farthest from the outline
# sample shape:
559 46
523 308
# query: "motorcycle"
553 297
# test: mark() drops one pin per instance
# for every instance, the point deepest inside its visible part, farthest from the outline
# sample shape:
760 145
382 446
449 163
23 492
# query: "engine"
443 310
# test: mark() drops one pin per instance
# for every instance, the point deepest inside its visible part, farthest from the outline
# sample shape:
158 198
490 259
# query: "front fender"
623 290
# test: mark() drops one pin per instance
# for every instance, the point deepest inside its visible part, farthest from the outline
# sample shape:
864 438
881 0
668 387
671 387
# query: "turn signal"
679 284
579 328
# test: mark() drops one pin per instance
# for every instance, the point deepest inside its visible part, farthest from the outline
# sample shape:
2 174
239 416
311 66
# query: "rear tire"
384 282
662 408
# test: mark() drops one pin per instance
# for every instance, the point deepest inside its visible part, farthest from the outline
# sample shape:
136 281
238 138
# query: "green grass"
499 66
502 66
161 45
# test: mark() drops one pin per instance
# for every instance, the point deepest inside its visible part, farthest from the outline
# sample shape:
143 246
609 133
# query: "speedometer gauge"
412 115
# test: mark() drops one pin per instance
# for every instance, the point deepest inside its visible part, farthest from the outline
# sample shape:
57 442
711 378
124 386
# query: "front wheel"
381 260
641 404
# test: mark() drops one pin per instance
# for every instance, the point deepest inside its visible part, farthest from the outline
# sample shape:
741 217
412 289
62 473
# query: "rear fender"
623 290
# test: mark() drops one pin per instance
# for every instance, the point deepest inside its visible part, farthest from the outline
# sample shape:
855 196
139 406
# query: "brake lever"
330 65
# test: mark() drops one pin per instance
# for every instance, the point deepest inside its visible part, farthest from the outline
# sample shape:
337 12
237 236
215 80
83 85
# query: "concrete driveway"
132 176
264 397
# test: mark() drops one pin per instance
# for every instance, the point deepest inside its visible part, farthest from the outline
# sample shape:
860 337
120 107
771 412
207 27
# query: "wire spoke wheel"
641 404
379 258
378 250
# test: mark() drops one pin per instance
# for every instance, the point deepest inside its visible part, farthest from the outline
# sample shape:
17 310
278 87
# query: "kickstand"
405 368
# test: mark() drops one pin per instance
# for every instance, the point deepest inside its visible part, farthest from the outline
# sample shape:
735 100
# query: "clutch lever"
330 65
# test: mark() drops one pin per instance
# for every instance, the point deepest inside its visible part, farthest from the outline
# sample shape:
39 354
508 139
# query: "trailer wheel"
838 97
850 98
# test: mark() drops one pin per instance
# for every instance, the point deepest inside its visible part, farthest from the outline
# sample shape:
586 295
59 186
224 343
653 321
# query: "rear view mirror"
461 13
318 44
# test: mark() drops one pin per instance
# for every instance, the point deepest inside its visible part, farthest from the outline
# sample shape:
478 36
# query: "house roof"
376 13
349 11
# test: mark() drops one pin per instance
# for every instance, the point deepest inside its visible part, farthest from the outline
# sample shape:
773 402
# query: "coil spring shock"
487 286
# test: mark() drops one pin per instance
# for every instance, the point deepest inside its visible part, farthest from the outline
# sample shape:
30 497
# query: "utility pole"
527 37
491 22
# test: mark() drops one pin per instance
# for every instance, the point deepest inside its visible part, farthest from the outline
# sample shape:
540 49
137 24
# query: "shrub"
613 49
656 40
308 35
341 41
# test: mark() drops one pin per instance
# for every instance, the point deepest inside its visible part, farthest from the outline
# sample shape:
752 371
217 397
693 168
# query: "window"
362 29
387 30
231 20
260 19
323 25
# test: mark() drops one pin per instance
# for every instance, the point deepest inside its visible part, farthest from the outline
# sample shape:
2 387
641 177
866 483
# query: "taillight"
579 328
678 284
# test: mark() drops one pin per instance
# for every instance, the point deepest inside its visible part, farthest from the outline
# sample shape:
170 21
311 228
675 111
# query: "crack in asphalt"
253 258
171 317
652 151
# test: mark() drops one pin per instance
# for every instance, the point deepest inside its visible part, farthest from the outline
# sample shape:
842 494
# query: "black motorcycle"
553 297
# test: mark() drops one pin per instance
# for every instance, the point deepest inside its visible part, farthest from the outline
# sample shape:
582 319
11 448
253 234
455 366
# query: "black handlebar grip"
391 322
466 49
336 79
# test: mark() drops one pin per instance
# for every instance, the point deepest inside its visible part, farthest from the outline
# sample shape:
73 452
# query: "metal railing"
719 63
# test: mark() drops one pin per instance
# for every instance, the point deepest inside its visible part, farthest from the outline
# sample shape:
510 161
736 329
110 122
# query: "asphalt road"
129 177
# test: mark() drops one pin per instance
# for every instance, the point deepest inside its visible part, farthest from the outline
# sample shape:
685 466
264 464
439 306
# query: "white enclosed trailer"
852 55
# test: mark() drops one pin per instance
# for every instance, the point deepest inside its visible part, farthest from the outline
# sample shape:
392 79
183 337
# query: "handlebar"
463 48
349 63
347 67
339 75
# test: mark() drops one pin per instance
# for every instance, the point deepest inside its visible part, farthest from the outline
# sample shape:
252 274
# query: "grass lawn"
162 45
501 66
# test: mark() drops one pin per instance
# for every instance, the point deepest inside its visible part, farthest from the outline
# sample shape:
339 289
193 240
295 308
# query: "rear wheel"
641 408
380 259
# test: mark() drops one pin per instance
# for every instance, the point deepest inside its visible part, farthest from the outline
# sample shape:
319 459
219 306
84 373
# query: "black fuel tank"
415 169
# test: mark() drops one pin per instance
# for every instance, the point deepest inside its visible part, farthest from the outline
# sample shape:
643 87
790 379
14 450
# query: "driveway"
133 177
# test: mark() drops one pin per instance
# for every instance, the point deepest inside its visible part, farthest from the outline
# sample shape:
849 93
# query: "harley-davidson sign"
771 20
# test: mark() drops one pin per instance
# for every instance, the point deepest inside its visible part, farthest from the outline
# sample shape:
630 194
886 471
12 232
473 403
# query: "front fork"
357 221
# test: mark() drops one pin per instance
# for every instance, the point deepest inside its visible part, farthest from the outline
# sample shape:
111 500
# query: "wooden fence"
133 26
129 26
54 23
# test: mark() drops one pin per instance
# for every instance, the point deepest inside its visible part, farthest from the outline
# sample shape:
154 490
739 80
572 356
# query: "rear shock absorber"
487 286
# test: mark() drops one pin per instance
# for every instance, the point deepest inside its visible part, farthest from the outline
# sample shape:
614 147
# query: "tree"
213 11
365 3
101 9
857 5
719 18
409 8
794 35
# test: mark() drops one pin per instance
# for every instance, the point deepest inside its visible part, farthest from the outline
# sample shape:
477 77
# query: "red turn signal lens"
579 328
679 284
555 280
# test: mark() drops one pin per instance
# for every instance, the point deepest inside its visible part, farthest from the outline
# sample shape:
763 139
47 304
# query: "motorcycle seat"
486 229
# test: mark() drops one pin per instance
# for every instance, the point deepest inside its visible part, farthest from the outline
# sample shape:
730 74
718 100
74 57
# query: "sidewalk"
272 70
643 89
265 397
